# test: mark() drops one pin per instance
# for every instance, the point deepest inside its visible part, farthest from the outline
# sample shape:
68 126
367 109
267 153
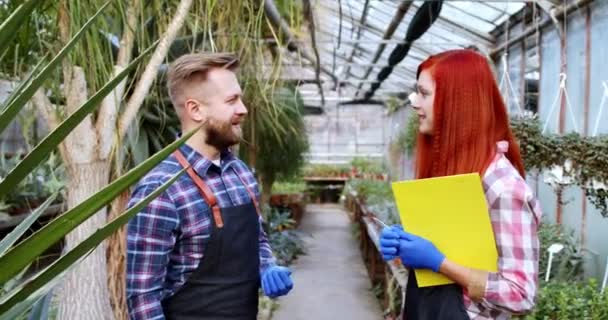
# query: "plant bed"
386 279
294 203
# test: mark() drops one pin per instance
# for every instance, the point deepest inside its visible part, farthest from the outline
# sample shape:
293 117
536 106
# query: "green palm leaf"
14 105
26 251
59 267
18 232
12 23
51 141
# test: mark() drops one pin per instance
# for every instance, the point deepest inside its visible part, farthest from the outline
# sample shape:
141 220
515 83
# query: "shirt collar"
200 164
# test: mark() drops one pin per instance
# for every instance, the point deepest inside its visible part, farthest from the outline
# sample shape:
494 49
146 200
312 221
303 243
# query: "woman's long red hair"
469 117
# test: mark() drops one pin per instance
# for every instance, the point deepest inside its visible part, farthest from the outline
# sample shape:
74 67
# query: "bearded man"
198 251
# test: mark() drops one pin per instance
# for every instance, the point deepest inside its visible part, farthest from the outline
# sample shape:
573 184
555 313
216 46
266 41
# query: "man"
198 251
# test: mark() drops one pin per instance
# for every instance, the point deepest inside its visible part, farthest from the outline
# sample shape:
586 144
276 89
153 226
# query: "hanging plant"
566 159
571 158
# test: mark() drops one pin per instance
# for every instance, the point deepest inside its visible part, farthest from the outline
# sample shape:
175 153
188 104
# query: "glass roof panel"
461 24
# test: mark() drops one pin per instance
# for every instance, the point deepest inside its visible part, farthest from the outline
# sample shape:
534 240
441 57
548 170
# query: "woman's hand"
389 242
418 253
414 251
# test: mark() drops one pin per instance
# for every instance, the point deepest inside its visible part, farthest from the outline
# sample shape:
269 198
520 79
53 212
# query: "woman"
464 128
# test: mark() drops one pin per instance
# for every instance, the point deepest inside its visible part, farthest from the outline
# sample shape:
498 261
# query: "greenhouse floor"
330 281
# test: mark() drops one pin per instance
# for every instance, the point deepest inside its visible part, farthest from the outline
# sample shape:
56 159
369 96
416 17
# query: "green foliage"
567 265
78 253
570 300
326 170
12 107
285 242
280 153
291 11
9 240
373 191
54 138
30 37
589 156
366 165
377 196
228 24
288 187
29 249
38 185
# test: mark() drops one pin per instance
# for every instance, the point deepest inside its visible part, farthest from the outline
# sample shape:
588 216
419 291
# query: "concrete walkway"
330 281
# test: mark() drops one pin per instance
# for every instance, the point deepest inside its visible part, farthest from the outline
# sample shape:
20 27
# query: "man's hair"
195 66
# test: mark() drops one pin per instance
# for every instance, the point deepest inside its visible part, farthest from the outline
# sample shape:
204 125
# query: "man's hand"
276 281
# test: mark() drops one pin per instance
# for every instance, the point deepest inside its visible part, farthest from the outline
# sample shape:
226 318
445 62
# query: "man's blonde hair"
195 66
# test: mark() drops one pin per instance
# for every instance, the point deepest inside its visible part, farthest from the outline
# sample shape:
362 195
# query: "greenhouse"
300 159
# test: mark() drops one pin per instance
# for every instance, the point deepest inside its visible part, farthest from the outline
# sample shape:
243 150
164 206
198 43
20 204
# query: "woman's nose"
413 100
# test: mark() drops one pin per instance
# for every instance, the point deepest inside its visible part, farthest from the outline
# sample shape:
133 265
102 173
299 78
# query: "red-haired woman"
464 128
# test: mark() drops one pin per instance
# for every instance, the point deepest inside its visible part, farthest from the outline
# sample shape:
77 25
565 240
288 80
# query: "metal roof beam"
364 12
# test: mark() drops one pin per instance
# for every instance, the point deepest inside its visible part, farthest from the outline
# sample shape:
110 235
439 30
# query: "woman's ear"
194 110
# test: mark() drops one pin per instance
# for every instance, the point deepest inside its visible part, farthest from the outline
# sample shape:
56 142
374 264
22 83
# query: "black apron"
225 284
443 302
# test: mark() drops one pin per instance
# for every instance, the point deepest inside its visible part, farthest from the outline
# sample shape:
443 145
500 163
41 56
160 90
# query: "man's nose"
241 109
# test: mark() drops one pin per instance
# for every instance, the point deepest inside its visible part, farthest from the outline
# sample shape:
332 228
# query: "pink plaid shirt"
515 214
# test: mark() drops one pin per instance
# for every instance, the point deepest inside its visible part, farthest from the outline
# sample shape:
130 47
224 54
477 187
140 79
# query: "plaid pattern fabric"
166 240
515 214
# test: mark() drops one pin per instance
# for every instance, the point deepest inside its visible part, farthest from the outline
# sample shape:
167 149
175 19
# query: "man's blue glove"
389 242
276 281
418 253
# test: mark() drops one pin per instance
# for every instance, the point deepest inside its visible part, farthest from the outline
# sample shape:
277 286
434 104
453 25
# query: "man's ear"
194 110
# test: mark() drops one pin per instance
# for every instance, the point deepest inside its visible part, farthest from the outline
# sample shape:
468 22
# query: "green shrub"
377 196
325 170
570 300
366 165
567 265
288 187
285 242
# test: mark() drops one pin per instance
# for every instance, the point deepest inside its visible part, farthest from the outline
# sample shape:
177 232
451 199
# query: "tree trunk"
266 181
84 294
116 254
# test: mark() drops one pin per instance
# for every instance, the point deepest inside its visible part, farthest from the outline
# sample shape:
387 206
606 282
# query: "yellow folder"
452 213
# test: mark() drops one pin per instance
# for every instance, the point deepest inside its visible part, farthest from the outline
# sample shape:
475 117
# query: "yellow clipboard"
452 213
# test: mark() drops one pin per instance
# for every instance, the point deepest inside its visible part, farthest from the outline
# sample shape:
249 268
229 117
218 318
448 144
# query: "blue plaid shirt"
165 241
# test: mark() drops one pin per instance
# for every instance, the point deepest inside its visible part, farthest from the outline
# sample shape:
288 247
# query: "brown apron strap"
254 199
203 189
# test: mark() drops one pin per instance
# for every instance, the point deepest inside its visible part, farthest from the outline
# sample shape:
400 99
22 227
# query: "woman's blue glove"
418 253
276 281
389 242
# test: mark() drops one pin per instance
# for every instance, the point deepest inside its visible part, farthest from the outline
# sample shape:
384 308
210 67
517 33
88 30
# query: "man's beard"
221 135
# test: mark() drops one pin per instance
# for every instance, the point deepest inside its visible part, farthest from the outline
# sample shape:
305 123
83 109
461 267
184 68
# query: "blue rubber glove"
418 253
389 242
276 281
